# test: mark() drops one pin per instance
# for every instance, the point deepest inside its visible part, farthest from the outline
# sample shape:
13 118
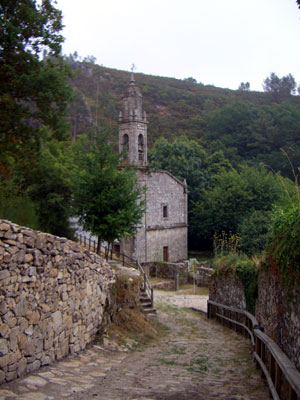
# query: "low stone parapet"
200 272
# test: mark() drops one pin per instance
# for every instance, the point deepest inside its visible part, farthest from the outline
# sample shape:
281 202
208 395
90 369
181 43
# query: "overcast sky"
218 42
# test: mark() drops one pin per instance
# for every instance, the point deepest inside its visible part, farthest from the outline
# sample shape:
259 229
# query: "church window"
165 211
141 147
126 142
165 253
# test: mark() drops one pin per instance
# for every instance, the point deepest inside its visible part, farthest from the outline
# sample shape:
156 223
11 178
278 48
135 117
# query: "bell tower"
133 126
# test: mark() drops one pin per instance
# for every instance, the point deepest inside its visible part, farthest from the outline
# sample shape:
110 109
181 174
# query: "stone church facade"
162 235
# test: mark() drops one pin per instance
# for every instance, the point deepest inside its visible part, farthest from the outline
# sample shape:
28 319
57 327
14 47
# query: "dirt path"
195 359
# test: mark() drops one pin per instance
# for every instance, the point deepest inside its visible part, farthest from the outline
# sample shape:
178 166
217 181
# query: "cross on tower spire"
132 80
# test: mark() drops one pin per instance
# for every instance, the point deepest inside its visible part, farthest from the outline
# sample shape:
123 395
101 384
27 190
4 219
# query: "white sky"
218 42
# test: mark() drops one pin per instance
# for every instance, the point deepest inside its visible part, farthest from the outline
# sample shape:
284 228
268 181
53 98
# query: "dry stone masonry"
227 289
277 306
278 310
54 297
201 272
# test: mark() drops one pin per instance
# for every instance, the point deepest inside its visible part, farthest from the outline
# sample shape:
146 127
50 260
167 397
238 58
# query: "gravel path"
195 359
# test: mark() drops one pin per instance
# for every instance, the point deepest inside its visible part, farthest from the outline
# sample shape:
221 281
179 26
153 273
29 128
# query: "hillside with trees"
245 125
237 149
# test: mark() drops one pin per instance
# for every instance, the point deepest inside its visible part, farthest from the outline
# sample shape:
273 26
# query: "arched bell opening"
141 149
125 144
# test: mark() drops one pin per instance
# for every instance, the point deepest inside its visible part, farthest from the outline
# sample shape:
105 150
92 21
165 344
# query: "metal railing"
281 374
110 254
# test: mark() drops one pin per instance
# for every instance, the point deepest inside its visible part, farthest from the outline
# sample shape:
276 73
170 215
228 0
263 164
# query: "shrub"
226 243
284 242
17 207
253 232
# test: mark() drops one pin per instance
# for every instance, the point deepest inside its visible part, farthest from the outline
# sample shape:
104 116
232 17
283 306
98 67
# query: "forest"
237 149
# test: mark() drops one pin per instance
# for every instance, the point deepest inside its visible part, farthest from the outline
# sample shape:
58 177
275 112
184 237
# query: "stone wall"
168 271
200 272
278 310
277 307
163 190
157 229
227 288
54 297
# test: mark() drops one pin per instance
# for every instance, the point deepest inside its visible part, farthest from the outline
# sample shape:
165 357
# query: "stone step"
144 299
149 310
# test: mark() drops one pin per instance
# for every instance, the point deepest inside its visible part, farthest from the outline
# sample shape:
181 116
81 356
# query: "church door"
165 253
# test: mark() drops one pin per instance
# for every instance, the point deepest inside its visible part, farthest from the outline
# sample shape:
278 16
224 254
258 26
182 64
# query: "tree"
187 159
280 88
253 231
107 199
234 196
231 125
51 189
184 159
33 91
190 79
244 87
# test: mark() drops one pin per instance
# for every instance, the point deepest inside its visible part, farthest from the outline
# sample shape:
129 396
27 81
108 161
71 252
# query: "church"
162 234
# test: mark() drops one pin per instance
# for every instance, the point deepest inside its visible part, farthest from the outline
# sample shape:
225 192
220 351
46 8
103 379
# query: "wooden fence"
110 254
282 376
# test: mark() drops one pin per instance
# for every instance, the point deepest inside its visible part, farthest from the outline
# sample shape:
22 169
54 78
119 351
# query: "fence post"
89 243
177 280
123 263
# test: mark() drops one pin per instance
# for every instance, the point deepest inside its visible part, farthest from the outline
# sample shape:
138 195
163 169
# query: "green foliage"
107 199
280 88
33 91
245 269
225 243
234 196
244 86
245 125
51 189
187 159
247 272
184 159
253 231
15 206
284 241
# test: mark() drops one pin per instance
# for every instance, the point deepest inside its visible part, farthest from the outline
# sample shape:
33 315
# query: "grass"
168 308
168 362
199 365
154 280
190 289
132 325
175 350
187 288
